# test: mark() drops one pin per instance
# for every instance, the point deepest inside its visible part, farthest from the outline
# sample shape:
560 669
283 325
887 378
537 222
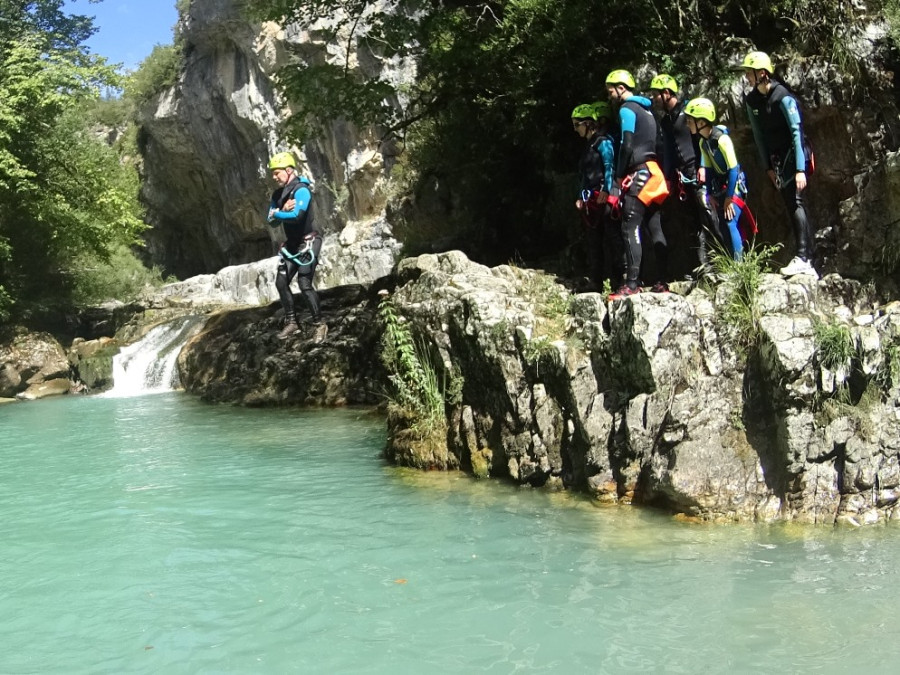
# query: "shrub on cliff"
157 72
416 389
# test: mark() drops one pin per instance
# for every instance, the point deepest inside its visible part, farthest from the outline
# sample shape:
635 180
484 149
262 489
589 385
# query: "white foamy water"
149 366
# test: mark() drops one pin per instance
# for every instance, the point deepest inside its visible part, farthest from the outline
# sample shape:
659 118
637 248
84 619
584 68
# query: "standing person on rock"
591 121
679 162
640 186
291 208
721 173
778 131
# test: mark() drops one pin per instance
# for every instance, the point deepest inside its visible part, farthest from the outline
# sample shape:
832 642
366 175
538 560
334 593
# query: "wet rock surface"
646 401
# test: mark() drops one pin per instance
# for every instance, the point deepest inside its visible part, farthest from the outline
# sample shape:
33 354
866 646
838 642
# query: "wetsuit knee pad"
305 282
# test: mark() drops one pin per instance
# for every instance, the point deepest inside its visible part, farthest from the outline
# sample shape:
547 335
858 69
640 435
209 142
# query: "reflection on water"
159 534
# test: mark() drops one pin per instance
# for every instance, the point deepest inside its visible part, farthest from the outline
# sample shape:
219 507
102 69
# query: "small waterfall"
148 366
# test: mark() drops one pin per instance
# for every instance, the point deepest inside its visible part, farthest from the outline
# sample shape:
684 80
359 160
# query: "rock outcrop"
238 358
647 401
32 366
656 399
650 400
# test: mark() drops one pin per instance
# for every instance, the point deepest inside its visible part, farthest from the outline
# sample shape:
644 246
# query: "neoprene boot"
290 327
320 332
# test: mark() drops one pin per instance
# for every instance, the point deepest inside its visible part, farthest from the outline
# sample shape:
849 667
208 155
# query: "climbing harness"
303 257
682 181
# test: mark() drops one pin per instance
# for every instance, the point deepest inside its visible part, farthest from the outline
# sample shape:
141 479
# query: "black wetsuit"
638 148
605 253
680 168
299 254
778 130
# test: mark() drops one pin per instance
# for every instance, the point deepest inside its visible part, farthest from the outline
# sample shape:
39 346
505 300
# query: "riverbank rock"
92 360
649 401
33 365
238 358
657 399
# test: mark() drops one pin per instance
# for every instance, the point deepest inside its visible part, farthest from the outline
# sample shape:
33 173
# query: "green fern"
740 311
417 387
834 345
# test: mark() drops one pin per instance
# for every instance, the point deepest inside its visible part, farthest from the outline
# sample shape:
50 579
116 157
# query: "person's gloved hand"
614 203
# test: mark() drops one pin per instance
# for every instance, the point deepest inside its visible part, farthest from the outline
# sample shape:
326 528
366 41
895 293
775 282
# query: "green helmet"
701 109
282 160
621 77
584 111
758 61
602 110
664 81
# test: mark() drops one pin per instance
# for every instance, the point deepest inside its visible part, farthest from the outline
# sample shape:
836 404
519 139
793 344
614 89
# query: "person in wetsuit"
291 207
778 131
640 186
591 121
720 172
679 162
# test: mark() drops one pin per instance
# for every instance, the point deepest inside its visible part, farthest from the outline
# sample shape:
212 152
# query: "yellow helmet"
282 160
701 109
602 110
620 77
758 61
584 111
664 81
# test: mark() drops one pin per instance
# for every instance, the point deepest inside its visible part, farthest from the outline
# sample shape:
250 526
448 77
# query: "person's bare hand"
728 208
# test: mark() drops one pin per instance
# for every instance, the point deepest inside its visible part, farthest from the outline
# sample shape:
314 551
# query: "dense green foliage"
157 72
65 198
487 119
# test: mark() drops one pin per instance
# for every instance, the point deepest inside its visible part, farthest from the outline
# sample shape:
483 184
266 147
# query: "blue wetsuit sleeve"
627 122
302 198
761 147
726 147
792 114
608 153
733 174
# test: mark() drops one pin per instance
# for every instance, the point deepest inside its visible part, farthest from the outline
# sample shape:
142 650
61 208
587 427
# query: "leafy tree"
64 195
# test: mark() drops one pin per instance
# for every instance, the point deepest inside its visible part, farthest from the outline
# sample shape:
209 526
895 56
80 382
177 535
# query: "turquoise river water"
158 534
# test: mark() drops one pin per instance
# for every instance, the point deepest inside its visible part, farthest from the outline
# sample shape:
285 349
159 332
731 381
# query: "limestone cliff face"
205 144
